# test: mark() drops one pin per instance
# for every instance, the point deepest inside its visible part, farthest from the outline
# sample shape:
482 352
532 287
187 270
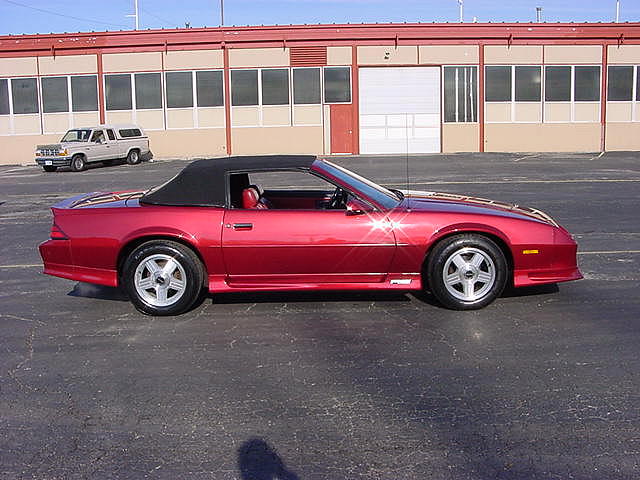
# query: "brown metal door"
341 128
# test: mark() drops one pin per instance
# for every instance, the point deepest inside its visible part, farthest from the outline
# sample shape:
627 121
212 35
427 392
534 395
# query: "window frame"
572 102
322 85
513 102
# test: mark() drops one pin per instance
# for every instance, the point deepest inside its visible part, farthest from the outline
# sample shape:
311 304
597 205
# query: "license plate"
48 162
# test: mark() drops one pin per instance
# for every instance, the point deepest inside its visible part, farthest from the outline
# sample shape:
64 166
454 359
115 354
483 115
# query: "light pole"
222 13
461 3
617 11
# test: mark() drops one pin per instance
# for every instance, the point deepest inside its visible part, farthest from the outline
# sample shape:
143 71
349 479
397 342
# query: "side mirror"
356 207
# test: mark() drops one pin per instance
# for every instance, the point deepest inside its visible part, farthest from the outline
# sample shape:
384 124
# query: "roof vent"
308 56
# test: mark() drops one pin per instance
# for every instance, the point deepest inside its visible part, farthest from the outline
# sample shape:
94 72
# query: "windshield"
79 135
380 195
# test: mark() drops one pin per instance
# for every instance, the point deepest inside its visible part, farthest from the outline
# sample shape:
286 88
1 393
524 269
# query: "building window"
4 97
557 84
244 88
337 85
118 92
84 93
179 89
55 95
497 84
210 89
24 93
460 94
528 83
275 86
620 84
587 84
306 86
148 91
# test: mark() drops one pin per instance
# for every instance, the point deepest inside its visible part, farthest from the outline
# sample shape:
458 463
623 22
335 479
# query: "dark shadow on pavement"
258 461
89 290
316 296
529 291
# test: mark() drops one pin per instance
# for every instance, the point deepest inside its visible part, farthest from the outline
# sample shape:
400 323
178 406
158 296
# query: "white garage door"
400 110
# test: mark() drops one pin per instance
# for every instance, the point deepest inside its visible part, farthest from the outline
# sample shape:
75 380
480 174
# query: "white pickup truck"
104 143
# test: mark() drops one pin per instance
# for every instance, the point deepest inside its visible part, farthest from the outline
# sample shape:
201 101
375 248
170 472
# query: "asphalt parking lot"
542 384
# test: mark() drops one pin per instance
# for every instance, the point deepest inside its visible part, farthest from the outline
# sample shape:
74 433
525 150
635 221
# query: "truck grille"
49 152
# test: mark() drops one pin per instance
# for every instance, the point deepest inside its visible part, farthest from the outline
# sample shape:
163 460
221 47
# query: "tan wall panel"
19 150
186 144
557 112
119 117
448 54
132 62
571 54
515 54
287 140
619 112
307 115
623 54
587 112
26 124
245 116
339 56
528 112
542 137
18 66
623 136
68 64
403 55
55 122
637 112
211 117
193 59
258 57
497 112
150 119
460 137
5 125
86 119
272 115
180 118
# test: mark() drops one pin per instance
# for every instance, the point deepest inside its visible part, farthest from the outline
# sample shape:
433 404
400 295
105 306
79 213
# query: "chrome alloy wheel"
160 280
469 274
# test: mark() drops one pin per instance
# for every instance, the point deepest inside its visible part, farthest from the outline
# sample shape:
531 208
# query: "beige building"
330 89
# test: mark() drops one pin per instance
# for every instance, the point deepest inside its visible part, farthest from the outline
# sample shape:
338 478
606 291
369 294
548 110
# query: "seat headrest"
250 197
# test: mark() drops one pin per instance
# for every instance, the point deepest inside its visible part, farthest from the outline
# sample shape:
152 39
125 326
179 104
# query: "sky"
45 16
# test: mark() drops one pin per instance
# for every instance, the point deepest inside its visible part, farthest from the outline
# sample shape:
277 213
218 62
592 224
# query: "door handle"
242 226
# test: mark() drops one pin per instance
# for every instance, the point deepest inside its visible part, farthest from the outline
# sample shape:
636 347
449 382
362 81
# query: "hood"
425 200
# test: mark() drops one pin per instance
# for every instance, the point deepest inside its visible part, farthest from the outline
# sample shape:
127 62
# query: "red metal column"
355 100
101 106
603 99
481 96
227 98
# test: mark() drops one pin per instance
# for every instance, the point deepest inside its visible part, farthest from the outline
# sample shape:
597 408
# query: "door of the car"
310 247
113 147
98 148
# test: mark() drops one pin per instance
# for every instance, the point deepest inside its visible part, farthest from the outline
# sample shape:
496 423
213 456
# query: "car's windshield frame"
84 137
379 195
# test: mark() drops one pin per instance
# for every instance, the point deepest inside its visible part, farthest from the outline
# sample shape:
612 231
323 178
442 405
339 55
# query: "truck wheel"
77 163
49 168
133 157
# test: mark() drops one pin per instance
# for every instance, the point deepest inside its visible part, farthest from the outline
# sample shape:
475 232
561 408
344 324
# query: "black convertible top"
203 183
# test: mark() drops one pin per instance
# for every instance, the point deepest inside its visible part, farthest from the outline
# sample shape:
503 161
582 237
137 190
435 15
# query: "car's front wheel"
163 277
78 163
467 272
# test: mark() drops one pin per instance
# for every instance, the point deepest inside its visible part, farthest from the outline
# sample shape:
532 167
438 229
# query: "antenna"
222 13
406 131
135 14
617 11
461 3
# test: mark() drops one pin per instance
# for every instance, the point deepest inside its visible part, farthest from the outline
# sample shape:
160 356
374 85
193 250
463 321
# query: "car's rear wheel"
467 272
133 157
78 163
163 277
49 168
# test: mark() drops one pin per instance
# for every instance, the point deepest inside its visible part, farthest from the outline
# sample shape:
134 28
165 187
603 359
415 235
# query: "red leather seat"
251 199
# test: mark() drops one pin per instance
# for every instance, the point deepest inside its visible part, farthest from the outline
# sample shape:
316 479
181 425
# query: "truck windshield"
79 135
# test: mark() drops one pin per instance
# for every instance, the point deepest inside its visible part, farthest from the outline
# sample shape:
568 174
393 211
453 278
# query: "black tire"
133 157
145 288
467 271
49 168
78 163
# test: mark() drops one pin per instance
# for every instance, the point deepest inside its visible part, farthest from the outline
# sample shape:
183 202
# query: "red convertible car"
212 227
